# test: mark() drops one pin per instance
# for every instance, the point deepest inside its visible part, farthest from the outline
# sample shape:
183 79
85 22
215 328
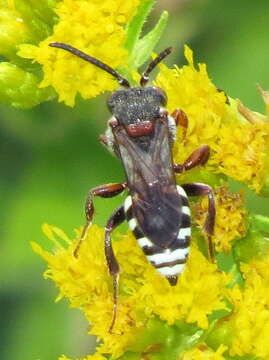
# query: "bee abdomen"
168 262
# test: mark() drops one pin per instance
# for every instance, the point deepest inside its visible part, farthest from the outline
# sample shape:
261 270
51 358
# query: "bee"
141 133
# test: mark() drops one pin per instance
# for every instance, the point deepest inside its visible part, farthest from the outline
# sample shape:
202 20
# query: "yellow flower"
250 318
89 357
241 153
230 218
97 28
193 92
239 149
202 352
198 293
144 294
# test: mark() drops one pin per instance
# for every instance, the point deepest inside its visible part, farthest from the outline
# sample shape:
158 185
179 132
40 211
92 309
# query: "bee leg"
182 120
116 219
104 191
197 189
197 157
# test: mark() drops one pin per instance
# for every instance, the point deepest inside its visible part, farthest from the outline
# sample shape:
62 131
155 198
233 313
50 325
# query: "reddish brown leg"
104 191
182 120
115 220
198 157
197 189
104 140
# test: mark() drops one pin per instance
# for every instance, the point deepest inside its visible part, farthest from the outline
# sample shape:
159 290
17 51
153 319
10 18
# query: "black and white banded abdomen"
168 262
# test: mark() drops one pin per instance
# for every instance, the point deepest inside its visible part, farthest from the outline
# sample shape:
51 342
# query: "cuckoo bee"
141 134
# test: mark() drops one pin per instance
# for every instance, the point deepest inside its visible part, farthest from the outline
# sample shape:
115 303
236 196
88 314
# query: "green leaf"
160 341
134 28
39 28
226 262
144 47
253 245
261 223
221 333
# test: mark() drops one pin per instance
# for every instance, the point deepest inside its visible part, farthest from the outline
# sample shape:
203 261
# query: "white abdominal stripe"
169 262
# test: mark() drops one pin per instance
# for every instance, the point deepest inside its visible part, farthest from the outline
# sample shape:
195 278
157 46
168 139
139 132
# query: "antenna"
145 76
122 81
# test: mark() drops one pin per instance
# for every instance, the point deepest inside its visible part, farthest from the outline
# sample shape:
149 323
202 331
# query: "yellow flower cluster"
238 148
250 318
97 29
202 352
241 153
143 295
230 218
90 357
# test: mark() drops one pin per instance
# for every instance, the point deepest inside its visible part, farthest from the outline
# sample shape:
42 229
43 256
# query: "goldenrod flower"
202 352
89 357
250 319
241 153
239 149
144 294
231 218
97 29
200 317
210 312
102 29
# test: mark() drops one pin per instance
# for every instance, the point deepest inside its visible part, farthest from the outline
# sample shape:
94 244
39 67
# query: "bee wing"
149 170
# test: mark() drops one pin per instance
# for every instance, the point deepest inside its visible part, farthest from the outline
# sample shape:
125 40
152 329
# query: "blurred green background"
50 157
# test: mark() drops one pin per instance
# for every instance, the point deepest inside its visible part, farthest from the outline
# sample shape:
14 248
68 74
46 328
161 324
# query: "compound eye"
162 96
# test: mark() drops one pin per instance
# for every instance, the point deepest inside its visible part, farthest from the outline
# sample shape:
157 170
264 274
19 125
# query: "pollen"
96 28
231 217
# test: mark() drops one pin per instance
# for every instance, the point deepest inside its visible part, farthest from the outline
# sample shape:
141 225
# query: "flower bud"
13 31
20 88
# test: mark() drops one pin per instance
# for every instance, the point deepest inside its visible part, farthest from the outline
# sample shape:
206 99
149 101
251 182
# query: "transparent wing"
150 176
